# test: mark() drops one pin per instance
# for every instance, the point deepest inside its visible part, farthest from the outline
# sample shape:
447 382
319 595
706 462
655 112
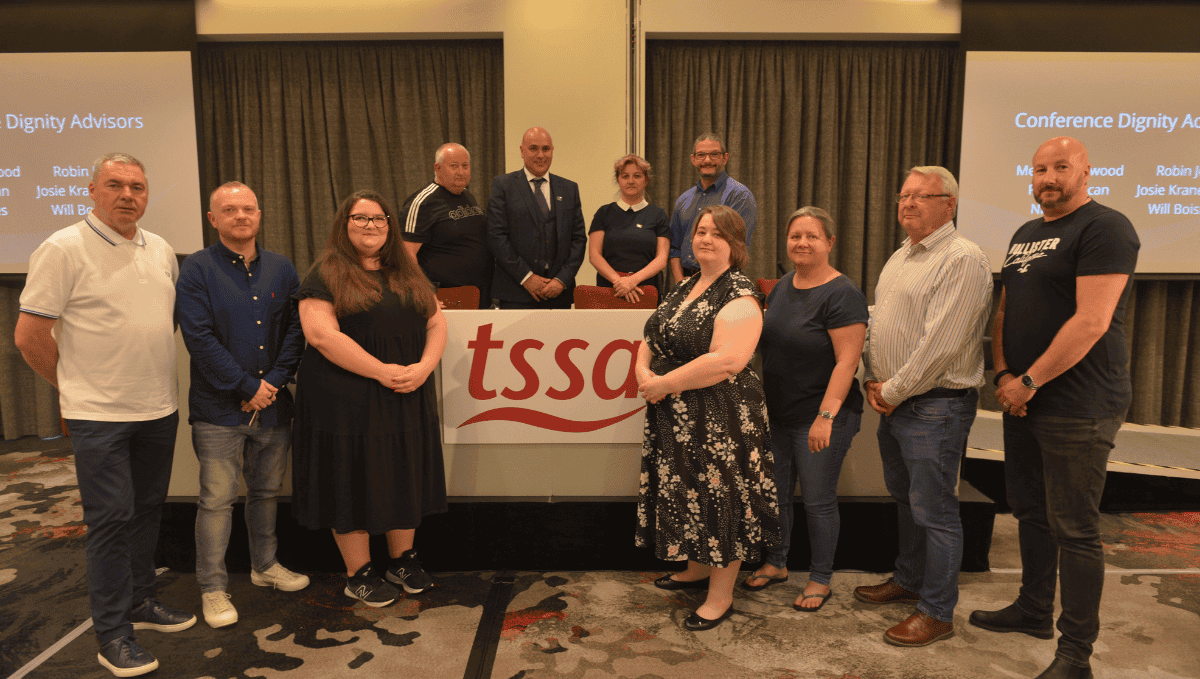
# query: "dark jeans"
819 473
1054 468
124 469
922 444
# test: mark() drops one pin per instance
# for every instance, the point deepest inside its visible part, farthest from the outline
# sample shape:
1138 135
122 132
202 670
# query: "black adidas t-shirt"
1040 268
452 231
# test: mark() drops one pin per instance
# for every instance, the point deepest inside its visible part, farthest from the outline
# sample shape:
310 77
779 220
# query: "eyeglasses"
919 197
715 155
375 222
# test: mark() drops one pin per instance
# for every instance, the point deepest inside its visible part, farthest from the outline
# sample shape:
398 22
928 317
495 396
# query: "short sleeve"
599 221
741 286
662 226
847 305
314 287
418 216
1108 245
49 283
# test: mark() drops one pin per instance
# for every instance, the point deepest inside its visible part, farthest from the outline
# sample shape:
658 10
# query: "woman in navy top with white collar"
629 238
812 340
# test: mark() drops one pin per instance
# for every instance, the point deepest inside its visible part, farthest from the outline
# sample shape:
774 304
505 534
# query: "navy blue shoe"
152 614
124 658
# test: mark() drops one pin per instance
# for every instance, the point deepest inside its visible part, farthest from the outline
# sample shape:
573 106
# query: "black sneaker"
124 658
369 588
152 614
407 572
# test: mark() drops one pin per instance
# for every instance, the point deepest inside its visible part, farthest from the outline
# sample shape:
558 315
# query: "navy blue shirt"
241 326
797 351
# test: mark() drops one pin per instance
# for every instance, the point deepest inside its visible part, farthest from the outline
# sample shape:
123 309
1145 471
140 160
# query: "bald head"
537 151
452 167
1060 177
1066 145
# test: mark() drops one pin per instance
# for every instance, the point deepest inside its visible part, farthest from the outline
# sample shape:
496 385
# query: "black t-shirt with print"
1043 262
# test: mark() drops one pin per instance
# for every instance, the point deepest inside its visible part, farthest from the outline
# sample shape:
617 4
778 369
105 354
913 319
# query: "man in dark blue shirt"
234 306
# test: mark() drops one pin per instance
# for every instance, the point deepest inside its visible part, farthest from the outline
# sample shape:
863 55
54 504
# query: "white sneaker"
218 609
279 577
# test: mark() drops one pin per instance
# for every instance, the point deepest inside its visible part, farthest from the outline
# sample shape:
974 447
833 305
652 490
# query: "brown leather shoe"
886 593
918 630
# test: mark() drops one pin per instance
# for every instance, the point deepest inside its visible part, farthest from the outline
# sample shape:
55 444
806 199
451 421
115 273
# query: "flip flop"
823 597
754 588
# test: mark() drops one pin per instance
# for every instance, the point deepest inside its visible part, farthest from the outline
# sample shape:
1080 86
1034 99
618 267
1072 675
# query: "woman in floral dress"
707 492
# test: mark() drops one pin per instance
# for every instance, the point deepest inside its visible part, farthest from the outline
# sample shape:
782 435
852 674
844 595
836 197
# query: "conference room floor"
580 625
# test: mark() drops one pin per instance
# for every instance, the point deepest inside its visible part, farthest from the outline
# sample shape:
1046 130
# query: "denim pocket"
932 409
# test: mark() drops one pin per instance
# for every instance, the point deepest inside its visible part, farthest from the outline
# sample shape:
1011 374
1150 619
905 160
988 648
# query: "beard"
1065 195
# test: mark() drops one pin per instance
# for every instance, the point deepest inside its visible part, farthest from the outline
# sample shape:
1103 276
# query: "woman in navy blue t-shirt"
812 340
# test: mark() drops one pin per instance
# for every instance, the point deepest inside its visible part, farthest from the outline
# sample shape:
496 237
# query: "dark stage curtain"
837 125
305 125
829 124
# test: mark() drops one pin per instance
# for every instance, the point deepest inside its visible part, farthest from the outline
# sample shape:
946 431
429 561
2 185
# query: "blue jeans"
1054 470
261 455
922 444
124 469
819 474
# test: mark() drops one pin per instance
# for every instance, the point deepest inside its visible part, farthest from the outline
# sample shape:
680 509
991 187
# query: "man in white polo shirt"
96 322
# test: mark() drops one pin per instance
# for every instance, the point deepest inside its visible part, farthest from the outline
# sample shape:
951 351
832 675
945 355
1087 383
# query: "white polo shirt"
114 300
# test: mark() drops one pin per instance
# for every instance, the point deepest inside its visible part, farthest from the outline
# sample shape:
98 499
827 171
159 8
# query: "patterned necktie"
541 199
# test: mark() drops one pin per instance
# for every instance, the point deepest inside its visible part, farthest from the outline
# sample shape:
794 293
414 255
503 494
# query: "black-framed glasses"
369 221
919 197
715 155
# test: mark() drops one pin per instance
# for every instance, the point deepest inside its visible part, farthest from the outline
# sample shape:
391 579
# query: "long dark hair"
354 288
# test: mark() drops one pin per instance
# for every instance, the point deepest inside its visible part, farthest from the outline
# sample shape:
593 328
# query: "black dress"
707 485
363 456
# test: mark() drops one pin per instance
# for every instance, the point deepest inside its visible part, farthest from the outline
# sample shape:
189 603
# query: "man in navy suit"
535 231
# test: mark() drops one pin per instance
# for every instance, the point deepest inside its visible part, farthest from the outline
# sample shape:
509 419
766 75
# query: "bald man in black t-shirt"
446 230
1062 372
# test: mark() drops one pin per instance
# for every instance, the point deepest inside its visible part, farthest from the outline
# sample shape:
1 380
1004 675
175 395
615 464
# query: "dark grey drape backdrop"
836 125
305 125
807 123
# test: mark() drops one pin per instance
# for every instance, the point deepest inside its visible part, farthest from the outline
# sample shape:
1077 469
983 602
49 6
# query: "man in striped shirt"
445 230
924 363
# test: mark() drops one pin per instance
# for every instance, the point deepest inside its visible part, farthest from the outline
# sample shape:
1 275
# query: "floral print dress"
707 490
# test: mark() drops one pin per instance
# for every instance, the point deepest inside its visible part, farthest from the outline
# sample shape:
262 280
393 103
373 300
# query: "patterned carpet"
574 625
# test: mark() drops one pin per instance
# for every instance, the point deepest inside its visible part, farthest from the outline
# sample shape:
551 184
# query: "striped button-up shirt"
931 307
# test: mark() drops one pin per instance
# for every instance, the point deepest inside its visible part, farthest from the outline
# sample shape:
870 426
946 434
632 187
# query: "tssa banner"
542 377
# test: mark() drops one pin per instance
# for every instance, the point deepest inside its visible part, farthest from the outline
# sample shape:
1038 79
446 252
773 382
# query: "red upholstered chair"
765 286
596 297
462 297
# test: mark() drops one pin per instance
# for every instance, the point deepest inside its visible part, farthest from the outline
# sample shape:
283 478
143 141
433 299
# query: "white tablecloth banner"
542 377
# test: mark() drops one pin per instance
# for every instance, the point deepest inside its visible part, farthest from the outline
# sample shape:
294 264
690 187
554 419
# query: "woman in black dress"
629 238
707 492
367 455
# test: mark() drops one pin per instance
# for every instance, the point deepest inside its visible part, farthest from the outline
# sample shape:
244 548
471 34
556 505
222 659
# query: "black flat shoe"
666 582
696 623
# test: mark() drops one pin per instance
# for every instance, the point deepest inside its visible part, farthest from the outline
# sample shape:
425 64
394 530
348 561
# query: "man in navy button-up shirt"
234 306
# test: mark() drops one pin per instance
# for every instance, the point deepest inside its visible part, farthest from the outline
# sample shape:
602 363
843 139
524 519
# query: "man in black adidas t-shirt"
444 228
1062 369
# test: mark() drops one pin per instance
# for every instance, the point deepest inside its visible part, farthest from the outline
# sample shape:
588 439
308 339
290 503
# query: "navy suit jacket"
513 229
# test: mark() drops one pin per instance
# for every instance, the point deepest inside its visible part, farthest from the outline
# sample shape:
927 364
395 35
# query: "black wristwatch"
1029 383
1002 373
